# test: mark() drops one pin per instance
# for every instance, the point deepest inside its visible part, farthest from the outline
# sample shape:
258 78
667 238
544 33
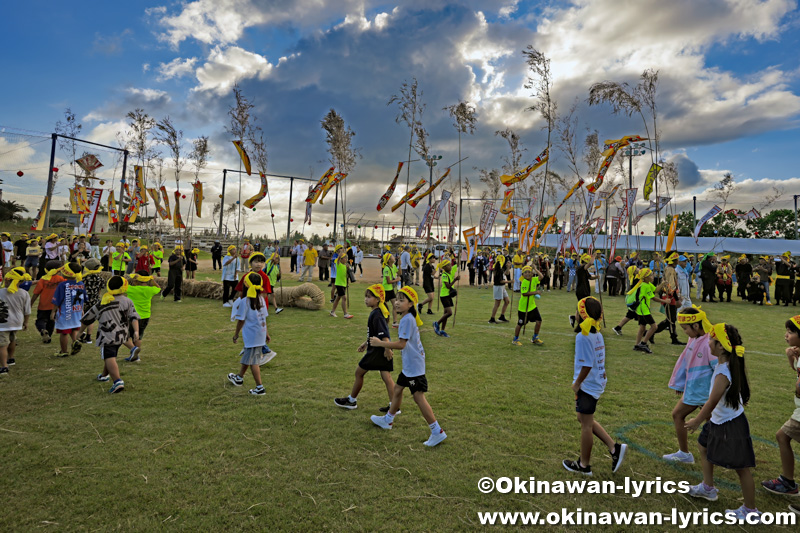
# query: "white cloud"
176 68
149 94
225 67
106 132
146 67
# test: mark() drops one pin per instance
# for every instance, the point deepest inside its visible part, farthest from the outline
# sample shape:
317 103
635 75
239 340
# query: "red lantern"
291 220
273 215
20 173
55 169
756 233
642 233
376 227
776 232
392 227
183 196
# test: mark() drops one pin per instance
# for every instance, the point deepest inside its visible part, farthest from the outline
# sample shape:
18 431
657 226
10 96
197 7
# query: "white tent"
687 244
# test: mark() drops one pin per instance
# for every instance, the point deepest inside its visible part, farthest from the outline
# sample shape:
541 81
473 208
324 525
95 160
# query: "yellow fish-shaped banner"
112 208
410 194
652 174
508 179
338 177
166 203
260 195
390 191
505 207
245 158
198 198
317 190
153 192
38 222
177 221
415 201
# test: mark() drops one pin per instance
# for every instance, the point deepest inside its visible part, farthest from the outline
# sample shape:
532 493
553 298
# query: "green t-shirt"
117 260
527 303
646 293
272 270
158 256
141 296
389 272
447 277
341 275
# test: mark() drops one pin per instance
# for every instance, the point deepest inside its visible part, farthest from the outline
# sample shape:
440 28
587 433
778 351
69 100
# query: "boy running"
527 311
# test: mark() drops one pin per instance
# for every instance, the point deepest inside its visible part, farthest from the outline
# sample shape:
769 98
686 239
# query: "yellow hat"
587 322
787 254
110 293
691 318
194 250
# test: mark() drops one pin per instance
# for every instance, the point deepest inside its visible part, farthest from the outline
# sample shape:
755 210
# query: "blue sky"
729 95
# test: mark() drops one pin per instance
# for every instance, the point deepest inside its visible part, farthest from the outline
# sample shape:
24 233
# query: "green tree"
777 224
10 210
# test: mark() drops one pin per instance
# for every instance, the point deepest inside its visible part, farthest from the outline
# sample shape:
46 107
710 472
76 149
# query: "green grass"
181 448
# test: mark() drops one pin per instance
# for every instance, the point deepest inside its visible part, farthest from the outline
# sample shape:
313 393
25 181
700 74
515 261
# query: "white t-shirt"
413 355
405 260
8 246
254 330
796 414
230 265
359 256
723 412
590 350
13 308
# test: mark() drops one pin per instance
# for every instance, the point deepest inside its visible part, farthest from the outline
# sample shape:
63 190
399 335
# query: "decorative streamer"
390 191
652 174
73 203
307 218
442 203
38 222
611 148
530 237
243 154
505 207
415 201
672 229
140 190
424 222
198 198
262 192
655 206
133 211
177 221
166 203
744 215
451 234
339 177
409 194
163 213
469 240
708 216
112 208
315 192
508 179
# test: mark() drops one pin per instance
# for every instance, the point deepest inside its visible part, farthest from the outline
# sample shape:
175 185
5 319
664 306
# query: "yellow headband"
231 248
412 295
787 254
692 318
194 250
139 277
120 244
526 269
585 258
796 321
719 333
643 273
275 257
443 264
77 275
588 322
95 271
672 257
430 256
257 255
108 297
337 247
502 260
380 294
253 289
16 275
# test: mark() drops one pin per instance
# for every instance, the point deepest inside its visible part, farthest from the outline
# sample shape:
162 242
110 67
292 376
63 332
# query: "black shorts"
142 326
446 301
728 445
631 315
415 384
390 295
109 351
157 270
427 287
375 360
340 291
645 320
533 316
585 404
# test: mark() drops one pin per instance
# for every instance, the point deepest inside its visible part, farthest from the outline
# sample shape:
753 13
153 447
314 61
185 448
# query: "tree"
464 120
490 178
10 210
140 145
777 224
341 152
70 127
409 111
724 224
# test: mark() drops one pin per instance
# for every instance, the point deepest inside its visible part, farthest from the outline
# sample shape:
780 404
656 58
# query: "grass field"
182 448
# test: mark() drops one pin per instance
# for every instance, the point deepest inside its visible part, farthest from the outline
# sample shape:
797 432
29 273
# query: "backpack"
634 305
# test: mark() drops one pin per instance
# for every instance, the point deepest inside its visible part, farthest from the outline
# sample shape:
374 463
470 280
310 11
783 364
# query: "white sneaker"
266 358
679 457
227 304
752 517
433 440
699 491
278 310
380 421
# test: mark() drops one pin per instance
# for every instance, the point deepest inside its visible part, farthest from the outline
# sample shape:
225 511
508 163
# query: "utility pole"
222 201
289 219
50 183
795 216
694 209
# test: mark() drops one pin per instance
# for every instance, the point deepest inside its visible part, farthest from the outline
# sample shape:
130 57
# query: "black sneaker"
644 348
575 466
3 371
676 342
345 403
618 456
11 361
492 321
652 339
795 509
386 410
502 319
430 312
617 330
419 308
572 321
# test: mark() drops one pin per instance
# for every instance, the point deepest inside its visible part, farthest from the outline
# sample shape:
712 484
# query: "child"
499 289
119 259
725 439
144 260
141 290
32 253
68 308
446 295
755 290
273 272
588 384
691 377
643 293
342 279
630 301
413 375
117 315
388 278
427 283
44 289
526 311
191 262
785 483
93 284
250 313
16 307
379 359
158 257
230 275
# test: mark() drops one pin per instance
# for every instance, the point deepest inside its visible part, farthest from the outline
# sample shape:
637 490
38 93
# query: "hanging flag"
112 209
742 215
420 184
424 223
570 193
452 221
508 179
656 206
133 212
73 202
442 203
671 236
505 207
630 200
338 177
530 207
198 198
243 155
177 221
251 202
163 213
38 221
708 216
611 148
530 237
486 229
752 214
606 195
469 240
94 196
140 190
390 191
307 219
317 190
167 210
652 174
415 201
616 224
89 163
485 212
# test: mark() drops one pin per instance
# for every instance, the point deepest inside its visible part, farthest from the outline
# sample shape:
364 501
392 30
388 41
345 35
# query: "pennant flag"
742 215
530 207
708 216
530 237
505 207
442 203
140 191
307 218
550 222
245 158
260 195
452 221
336 179
561 237
671 237
38 221
508 179
390 191
317 190
89 163
424 223
469 240
409 194
656 206
167 210
73 202
163 213
112 208
133 212
198 198
415 201
177 221
650 179
484 224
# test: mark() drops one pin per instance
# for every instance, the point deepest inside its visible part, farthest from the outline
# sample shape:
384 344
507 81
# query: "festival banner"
652 174
323 181
38 221
337 178
453 208
415 201
616 224
261 194
307 218
73 202
390 191
485 212
470 242
163 213
561 235
165 196
550 222
486 230
243 155
410 194
752 214
574 232
522 229
89 163
177 221
442 203
509 179
655 206
133 212
611 148
140 190
198 198
112 209
530 237
708 216
742 215
530 207
87 223
424 223
505 207
671 236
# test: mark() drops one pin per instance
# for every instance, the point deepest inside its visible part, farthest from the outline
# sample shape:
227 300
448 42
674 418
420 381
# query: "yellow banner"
550 222
140 189
245 158
177 221
469 234
163 213
165 196
38 222
112 208
651 178
390 191
198 198
415 201
508 179
260 195
409 194
73 203
133 212
338 177
317 190
505 207
672 229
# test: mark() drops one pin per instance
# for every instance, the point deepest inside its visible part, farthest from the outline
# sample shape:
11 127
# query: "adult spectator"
216 255
324 263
